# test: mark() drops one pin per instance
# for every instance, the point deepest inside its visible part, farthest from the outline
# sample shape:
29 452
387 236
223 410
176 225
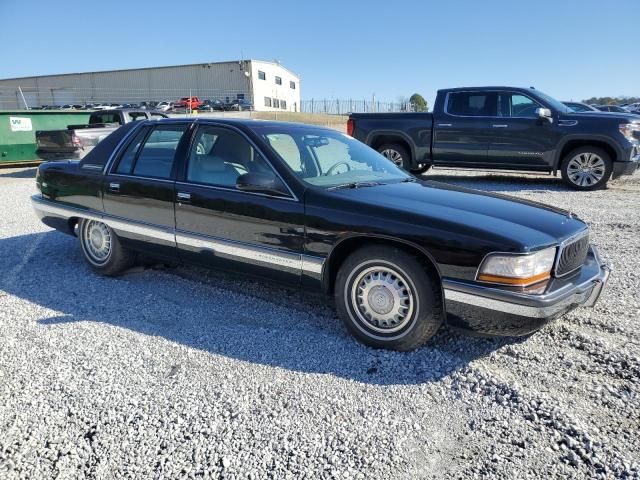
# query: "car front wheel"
586 168
102 249
387 299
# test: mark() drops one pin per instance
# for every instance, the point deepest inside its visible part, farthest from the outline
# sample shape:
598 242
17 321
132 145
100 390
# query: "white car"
164 106
634 107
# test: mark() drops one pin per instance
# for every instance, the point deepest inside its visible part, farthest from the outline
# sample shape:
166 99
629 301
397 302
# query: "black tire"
398 154
363 272
421 169
575 178
115 261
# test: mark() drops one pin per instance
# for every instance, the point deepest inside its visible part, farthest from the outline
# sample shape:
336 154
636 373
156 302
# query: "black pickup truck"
506 128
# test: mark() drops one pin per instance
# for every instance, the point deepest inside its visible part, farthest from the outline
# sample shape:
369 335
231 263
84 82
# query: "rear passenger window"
155 159
129 155
472 104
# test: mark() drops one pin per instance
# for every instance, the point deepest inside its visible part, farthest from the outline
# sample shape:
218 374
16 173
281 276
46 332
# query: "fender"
326 274
586 138
398 133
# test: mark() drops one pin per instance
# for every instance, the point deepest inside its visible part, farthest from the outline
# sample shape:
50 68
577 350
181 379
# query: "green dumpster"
18 131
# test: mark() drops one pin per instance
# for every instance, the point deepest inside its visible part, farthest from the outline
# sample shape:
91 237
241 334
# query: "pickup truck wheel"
421 168
397 154
387 299
586 168
102 249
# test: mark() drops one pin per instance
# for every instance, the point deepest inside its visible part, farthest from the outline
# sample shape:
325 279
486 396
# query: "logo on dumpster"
20 124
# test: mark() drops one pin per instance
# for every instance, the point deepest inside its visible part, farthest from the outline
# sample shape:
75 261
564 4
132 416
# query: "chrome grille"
572 255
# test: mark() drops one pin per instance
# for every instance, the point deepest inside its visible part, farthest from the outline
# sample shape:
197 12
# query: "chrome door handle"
114 187
184 197
500 126
445 125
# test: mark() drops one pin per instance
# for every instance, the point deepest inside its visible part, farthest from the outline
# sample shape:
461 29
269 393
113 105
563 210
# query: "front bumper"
627 168
496 311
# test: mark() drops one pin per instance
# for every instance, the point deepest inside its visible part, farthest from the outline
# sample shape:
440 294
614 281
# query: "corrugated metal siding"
223 81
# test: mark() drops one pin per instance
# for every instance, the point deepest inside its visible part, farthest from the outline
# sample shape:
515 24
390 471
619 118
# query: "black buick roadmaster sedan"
315 208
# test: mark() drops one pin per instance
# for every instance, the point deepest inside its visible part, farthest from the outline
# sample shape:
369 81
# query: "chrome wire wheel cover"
586 169
382 299
394 156
97 242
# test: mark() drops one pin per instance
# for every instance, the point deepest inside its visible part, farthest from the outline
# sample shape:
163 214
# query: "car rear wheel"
102 249
586 168
397 154
423 167
387 299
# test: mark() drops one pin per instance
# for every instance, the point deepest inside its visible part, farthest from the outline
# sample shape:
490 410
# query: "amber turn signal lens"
520 282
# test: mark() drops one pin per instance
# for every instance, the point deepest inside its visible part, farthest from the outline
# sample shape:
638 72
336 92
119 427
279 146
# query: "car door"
139 189
254 233
520 139
462 131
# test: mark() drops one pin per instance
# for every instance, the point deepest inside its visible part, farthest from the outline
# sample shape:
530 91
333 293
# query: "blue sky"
342 49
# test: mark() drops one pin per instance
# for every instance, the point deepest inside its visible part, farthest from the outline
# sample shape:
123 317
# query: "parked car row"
584 107
180 106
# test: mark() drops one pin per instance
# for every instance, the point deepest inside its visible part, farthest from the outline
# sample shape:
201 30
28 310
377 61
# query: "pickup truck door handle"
445 125
500 125
184 197
114 187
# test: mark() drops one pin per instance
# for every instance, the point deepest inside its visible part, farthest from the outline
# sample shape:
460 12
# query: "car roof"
495 87
244 122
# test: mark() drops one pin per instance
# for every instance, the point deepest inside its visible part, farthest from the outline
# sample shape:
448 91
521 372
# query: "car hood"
523 224
622 117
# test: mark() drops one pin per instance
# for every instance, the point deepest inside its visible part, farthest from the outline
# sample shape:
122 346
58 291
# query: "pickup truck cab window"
219 156
517 105
330 159
472 104
155 158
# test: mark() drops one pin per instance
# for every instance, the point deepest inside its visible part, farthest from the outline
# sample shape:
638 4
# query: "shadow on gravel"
243 319
22 173
500 182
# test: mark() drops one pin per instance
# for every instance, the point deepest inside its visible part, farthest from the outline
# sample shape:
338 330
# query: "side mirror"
261 183
544 114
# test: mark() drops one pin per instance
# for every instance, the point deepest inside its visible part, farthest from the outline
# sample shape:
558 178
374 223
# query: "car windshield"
328 158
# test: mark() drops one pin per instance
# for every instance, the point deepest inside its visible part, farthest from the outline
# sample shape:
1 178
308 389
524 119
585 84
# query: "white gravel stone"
181 373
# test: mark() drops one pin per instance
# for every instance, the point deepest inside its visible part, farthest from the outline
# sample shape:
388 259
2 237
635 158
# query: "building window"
262 75
278 81
267 101
283 104
276 103
240 96
292 85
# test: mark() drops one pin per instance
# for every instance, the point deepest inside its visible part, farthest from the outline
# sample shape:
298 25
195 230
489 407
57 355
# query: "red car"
188 102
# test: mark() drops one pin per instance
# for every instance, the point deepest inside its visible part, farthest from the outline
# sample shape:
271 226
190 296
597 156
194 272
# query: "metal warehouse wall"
207 80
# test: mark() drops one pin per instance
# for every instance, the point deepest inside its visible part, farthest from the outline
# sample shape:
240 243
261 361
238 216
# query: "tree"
418 103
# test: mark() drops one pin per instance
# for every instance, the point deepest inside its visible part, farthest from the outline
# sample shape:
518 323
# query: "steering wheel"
331 170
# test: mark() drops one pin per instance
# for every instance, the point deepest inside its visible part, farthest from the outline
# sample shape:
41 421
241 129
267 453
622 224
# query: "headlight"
628 130
520 270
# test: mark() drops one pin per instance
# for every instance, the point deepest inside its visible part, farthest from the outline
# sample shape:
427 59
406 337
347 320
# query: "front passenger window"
220 155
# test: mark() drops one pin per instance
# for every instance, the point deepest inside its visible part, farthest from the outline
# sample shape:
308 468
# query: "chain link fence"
344 107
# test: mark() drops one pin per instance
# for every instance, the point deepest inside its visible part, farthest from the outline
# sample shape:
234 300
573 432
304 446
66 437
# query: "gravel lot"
178 373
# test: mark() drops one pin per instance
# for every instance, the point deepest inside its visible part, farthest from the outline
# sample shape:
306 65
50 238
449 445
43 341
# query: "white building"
268 85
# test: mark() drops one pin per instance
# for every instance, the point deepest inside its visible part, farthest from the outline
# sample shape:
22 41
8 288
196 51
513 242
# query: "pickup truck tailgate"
55 140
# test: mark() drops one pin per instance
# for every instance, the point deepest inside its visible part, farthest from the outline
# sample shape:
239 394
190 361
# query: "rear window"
472 104
105 117
97 158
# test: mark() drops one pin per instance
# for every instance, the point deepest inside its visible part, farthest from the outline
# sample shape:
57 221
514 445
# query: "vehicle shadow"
242 319
497 182
19 173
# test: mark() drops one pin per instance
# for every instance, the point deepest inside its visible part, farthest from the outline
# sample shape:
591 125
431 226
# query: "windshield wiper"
354 185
